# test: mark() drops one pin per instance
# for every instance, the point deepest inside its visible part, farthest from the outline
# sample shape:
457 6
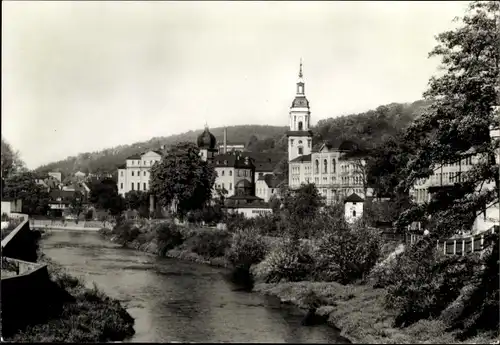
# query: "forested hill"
368 129
108 159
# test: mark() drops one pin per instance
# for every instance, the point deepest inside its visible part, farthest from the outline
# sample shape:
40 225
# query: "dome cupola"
206 140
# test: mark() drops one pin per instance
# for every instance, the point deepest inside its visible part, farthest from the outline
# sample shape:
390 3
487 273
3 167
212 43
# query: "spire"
206 125
300 71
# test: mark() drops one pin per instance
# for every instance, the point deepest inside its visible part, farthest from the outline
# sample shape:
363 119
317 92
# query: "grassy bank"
86 315
359 312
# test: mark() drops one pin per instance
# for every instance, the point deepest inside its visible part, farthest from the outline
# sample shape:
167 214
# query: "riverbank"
80 315
359 313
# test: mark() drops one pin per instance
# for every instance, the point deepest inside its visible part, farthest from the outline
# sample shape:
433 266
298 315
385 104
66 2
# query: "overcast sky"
83 76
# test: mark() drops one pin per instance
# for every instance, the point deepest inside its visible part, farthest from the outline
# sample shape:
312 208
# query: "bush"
422 282
210 243
289 261
347 254
126 231
247 248
237 221
168 236
481 308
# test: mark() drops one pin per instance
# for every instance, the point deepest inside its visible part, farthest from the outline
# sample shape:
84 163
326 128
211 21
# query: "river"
176 301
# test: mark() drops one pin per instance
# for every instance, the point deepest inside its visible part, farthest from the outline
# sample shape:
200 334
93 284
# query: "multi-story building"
233 172
267 185
134 174
447 174
334 175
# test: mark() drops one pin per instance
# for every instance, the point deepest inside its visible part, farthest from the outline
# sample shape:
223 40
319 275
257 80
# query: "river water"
175 301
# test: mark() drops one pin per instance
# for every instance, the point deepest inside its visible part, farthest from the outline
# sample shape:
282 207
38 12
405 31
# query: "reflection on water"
180 301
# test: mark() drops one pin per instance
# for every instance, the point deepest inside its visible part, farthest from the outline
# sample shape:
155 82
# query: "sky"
87 75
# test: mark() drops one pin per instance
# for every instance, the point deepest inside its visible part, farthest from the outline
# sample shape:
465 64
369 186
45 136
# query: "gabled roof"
354 198
300 159
122 166
308 133
271 180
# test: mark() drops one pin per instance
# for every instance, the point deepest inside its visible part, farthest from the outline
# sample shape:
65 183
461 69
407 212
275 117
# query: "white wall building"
353 208
134 175
266 186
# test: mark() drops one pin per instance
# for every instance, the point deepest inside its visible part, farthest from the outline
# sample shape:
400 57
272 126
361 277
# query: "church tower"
300 134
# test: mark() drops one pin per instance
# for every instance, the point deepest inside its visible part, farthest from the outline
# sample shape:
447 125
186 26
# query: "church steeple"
300 82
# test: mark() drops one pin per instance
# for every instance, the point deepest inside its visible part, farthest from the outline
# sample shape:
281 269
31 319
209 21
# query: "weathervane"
300 71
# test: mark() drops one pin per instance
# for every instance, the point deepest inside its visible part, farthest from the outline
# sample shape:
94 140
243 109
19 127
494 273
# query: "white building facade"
135 174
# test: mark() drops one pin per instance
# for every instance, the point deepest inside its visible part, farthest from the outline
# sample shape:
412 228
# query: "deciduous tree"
182 178
35 198
457 123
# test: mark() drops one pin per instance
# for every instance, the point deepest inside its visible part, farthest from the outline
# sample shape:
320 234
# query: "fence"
46 223
458 246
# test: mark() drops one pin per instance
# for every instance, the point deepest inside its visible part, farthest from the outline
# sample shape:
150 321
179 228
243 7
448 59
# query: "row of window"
346 180
262 191
132 185
133 173
245 173
145 163
441 178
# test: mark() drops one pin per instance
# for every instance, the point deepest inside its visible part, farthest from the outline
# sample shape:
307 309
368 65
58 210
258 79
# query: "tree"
76 204
302 206
457 123
10 160
138 200
35 198
252 143
182 178
282 169
104 195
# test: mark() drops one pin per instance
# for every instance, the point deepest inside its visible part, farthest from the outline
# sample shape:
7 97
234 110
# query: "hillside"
367 129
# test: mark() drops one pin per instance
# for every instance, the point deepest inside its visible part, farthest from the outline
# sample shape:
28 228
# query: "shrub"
347 254
247 248
481 308
424 282
168 236
126 231
210 243
289 261
268 224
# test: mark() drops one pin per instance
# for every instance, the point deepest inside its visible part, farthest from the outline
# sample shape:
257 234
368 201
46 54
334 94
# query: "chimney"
225 140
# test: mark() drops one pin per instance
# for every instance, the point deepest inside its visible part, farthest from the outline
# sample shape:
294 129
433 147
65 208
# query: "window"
144 186
222 173
144 173
132 172
300 125
138 186
309 143
132 184
132 163
325 166
333 166
301 152
121 173
121 185
354 213
316 167
230 173
230 186
245 172
222 185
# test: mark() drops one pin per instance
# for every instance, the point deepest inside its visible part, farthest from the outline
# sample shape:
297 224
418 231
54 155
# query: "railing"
42 223
461 245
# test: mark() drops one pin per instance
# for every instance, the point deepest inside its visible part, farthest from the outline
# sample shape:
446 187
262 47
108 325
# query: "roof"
245 197
300 102
300 159
232 143
261 167
122 166
354 198
63 194
206 140
271 180
233 161
136 156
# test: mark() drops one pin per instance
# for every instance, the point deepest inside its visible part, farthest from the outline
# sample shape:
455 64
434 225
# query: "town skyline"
163 72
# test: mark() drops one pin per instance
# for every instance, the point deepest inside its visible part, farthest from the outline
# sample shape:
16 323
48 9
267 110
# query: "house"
56 175
267 185
249 206
134 174
353 207
11 205
60 201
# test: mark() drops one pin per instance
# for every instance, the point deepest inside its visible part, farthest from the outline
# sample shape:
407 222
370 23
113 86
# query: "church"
335 175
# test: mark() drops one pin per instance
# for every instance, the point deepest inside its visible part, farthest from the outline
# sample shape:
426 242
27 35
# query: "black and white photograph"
250 172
